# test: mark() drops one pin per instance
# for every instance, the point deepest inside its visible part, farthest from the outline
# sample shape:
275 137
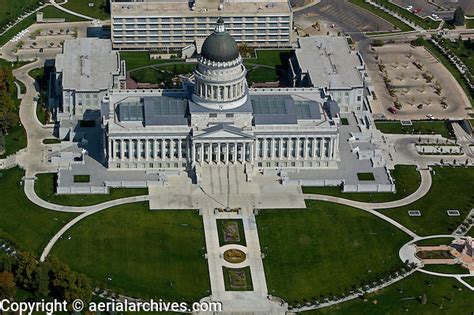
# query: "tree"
458 18
7 285
6 262
41 280
25 270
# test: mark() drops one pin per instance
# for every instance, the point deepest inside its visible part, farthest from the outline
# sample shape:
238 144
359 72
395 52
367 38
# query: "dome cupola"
219 77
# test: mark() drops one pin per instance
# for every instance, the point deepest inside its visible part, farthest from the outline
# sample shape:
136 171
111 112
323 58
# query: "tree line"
51 279
8 105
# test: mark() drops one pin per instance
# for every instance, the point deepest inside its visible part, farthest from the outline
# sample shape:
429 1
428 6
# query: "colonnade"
297 148
223 152
219 92
148 149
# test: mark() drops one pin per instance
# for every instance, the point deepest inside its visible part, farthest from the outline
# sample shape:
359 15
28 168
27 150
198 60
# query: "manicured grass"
45 189
277 60
231 282
435 241
53 12
365 176
82 178
29 225
222 223
404 298
100 10
24 24
384 15
470 232
51 141
407 180
15 140
325 250
447 269
470 23
419 127
162 73
451 189
12 9
464 50
146 253
137 59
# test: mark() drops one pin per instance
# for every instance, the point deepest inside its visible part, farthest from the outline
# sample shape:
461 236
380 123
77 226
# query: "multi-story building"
328 62
220 122
166 25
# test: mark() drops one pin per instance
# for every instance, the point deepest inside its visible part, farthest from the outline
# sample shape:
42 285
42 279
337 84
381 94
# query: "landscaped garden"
140 252
231 231
13 9
407 180
268 66
418 127
237 279
325 250
45 189
52 12
449 190
447 269
28 225
418 294
138 59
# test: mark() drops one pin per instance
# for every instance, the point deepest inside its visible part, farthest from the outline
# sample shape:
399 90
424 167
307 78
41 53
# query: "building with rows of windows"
165 25
220 121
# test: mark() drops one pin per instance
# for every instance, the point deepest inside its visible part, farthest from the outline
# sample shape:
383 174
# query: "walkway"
70 11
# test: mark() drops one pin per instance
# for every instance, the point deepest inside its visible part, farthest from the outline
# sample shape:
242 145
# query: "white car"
410 7
430 116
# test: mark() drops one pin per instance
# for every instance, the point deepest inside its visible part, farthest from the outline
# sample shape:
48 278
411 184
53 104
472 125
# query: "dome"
220 46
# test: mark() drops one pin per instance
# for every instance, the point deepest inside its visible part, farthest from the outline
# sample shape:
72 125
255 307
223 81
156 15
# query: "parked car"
430 116
410 7
417 10
392 110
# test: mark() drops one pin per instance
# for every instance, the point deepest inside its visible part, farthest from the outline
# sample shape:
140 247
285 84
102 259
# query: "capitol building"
220 121
318 132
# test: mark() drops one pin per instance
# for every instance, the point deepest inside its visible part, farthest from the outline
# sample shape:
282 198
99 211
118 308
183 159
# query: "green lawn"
138 59
24 24
15 140
470 232
27 224
448 269
325 250
470 23
365 176
450 190
45 184
162 73
276 59
53 12
442 297
384 15
146 253
435 241
419 127
464 50
11 9
407 180
100 10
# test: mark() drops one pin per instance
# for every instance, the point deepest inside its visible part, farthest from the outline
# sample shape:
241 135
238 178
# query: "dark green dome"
220 46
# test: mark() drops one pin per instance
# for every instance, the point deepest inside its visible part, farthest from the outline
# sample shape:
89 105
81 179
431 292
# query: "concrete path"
233 302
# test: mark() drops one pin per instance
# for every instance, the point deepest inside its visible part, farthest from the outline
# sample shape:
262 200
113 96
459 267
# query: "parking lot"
345 16
419 83
426 8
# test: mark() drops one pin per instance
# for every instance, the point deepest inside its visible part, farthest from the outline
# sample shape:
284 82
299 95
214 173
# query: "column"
180 149
234 157
155 149
147 149
122 149
321 148
227 153
280 149
132 149
288 148
297 148
251 153
193 158
273 148
110 153
313 148
264 153
218 153
331 148
171 149
305 148
163 149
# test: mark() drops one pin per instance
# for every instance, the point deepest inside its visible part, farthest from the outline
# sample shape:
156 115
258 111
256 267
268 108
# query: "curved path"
71 12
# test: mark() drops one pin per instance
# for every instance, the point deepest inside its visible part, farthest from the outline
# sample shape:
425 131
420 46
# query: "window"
213 115
229 115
